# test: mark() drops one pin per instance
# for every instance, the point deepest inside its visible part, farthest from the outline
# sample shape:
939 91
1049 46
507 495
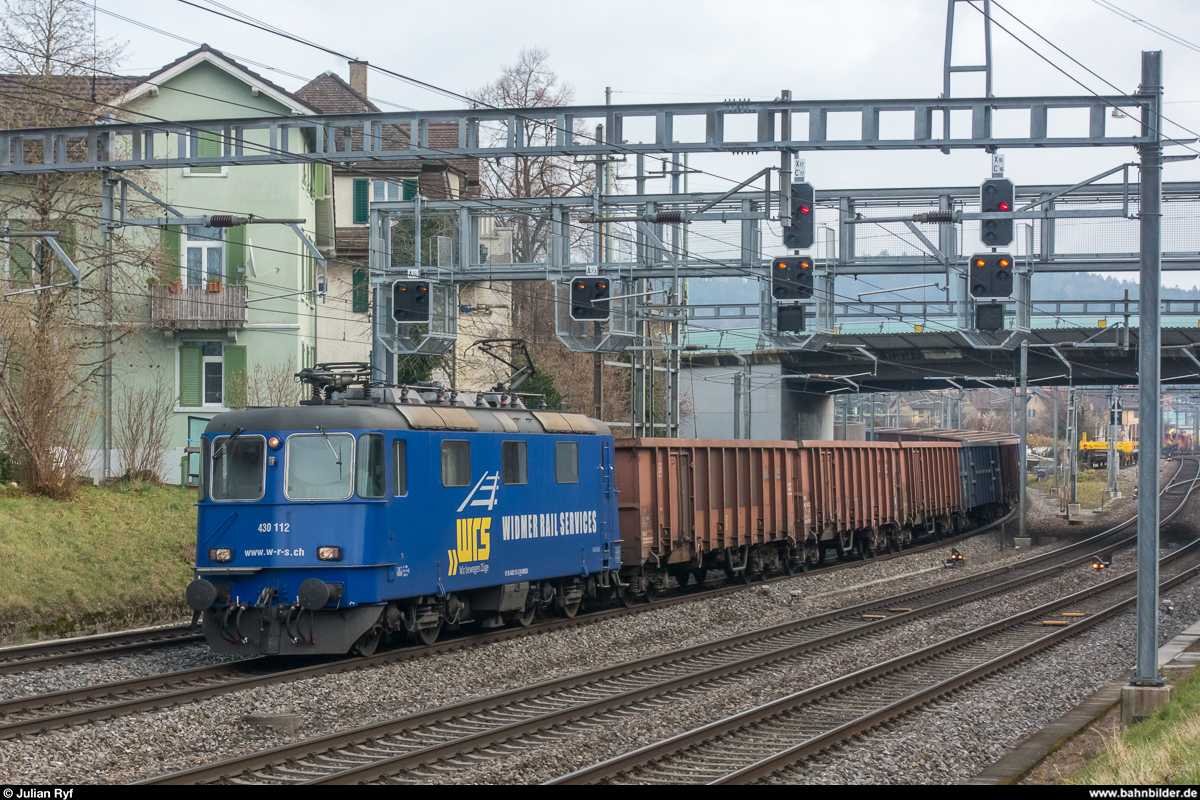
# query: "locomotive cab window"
399 469
320 466
514 463
238 468
370 465
456 463
566 462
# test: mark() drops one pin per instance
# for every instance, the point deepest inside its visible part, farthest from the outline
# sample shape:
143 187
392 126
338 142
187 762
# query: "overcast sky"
715 49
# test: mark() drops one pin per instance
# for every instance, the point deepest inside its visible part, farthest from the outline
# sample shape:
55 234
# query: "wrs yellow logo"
473 546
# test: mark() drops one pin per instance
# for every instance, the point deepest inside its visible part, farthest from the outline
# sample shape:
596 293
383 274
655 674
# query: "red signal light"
1004 206
805 209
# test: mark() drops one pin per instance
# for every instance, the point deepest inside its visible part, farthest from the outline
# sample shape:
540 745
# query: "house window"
204 255
212 375
392 191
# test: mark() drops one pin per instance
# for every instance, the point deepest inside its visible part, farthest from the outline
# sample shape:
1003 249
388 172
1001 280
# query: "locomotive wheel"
429 635
571 609
367 643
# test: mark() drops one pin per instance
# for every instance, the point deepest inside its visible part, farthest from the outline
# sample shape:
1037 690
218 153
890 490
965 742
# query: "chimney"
358 77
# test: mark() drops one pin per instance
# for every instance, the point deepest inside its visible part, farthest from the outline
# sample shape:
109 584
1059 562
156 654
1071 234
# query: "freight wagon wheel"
367 643
625 595
525 618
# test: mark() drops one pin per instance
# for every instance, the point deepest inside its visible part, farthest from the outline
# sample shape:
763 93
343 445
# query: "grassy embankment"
1164 749
1091 487
110 557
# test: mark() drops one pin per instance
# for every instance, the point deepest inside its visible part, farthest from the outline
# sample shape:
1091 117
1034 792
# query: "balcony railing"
198 309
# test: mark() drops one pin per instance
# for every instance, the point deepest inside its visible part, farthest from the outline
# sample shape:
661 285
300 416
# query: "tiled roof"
329 94
35 101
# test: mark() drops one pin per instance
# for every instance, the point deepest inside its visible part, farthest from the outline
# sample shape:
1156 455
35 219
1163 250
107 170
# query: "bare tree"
142 426
273 386
529 83
51 339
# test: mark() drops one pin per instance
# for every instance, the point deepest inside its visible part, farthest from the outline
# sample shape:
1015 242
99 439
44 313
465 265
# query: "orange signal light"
1004 262
979 262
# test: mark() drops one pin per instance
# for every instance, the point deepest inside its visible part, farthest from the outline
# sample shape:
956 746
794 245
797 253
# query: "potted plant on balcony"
214 284
151 282
175 285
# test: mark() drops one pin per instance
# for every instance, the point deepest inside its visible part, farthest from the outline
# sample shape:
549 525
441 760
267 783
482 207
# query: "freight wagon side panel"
981 474
684 497
934 484
851 484
1010 473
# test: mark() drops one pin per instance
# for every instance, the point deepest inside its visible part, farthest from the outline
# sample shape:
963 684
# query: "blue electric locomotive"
373 511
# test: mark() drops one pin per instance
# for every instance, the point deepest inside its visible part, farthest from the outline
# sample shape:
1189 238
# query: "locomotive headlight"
222 555
329 553
273 442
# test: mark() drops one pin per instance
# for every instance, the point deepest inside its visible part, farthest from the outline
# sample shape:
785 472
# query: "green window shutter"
191 376
362 291
361 201
408 190
20 257
235 376
319 181
235 254
208 145
170 237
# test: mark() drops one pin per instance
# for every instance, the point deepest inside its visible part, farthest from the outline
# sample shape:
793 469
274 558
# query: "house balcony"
198 309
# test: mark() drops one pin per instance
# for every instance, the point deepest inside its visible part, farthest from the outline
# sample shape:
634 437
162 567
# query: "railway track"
35 714
22 658
427 746
38 655
761 742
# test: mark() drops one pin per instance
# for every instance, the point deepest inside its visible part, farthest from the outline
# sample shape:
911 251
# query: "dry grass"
1164 749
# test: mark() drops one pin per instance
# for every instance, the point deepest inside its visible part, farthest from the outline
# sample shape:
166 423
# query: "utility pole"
1114 457
1023 450
1056 392
108 218
1146 691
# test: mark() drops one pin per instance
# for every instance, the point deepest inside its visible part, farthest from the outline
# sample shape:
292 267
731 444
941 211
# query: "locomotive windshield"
320 466
238 468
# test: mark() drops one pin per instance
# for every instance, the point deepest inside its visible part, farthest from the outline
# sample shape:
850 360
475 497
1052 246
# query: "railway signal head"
996 195
590 299
792 278
991 275
802 229
410 301
1099 562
